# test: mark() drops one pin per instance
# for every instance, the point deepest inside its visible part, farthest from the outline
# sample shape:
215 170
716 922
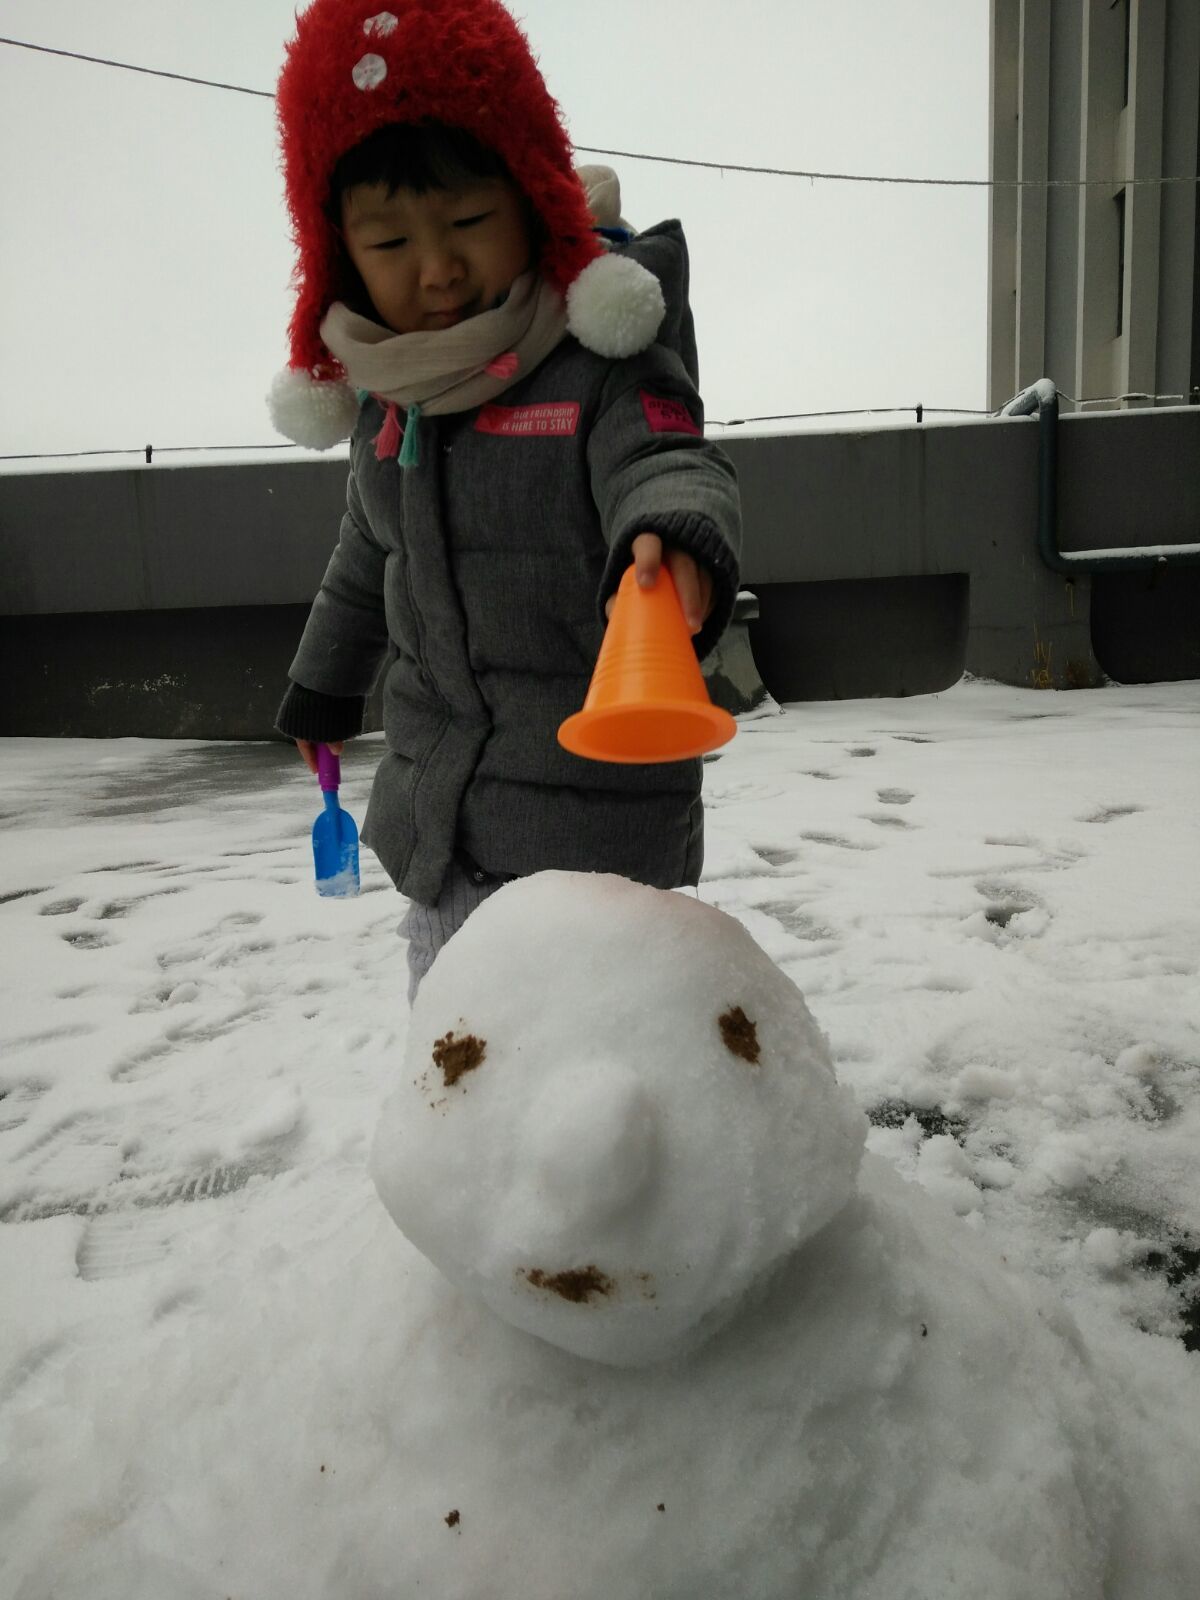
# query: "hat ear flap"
615 307
315 413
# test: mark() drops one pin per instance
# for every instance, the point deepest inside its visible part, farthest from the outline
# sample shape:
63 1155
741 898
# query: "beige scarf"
459 368
450 369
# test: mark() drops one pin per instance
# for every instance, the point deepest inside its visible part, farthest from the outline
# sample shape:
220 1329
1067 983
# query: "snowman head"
616 1115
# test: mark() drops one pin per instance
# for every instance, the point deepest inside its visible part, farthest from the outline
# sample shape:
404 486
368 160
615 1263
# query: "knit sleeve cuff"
698 536
320 718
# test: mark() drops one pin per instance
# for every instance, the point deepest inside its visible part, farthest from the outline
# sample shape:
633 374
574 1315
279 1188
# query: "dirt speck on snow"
453 1520
577 1284
456 1057
740 1034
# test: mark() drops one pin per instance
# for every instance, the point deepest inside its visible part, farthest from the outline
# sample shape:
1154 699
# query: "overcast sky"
144 256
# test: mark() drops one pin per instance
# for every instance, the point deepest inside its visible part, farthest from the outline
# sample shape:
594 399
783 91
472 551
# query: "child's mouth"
448 319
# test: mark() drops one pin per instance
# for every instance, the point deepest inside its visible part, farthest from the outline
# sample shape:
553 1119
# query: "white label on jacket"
557 419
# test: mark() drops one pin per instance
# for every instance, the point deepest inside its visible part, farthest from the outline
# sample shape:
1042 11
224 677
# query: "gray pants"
428 927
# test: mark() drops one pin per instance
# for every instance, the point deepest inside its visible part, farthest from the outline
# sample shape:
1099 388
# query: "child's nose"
441 267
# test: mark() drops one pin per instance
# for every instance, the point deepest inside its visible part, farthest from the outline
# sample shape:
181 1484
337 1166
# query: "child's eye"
390 244
470 222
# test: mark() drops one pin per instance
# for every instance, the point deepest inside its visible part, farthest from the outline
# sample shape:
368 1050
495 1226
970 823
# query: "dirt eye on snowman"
740 1035
454 1057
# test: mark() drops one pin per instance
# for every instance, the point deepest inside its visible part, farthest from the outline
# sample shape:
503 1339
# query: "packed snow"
225 1371
614 1158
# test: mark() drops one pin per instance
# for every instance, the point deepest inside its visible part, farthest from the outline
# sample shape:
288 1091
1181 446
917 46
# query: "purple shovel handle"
329 769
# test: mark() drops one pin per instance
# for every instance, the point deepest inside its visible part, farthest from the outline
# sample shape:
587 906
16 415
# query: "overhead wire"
676 161
147 450
631 155
129 66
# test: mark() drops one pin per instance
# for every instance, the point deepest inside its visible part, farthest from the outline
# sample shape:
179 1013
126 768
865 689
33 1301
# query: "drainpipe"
1042 397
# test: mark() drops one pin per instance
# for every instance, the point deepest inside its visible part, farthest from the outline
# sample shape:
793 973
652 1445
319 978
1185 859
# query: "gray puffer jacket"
481 575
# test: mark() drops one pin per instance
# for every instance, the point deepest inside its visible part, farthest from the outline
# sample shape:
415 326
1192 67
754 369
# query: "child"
524 423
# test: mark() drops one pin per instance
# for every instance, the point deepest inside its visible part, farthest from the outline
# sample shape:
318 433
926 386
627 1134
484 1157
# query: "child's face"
429 261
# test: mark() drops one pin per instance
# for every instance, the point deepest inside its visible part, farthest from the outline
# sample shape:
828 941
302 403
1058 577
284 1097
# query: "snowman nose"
593 1134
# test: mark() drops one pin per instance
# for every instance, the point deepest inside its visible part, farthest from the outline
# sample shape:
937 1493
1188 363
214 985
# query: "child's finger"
647 551
647 558
308 751
689 584
707 597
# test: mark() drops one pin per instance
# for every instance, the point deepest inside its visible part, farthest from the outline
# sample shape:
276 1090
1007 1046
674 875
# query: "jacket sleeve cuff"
699 538
321 718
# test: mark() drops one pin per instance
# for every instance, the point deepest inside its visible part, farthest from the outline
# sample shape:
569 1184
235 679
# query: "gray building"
1094 282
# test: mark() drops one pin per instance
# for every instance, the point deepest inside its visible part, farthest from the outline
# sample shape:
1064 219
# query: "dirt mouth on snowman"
616 1117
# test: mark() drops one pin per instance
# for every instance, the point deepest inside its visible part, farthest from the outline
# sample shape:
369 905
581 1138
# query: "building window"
1120 205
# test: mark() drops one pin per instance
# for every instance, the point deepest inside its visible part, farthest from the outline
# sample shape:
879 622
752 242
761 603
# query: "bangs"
418 156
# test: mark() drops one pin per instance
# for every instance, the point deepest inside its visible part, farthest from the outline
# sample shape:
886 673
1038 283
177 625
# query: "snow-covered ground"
223 1371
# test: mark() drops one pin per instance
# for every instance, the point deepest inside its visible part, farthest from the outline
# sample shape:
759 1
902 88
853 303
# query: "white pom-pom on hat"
315 414
615 307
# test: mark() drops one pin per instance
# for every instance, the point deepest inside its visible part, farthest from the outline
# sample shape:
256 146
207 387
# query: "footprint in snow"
1007 902
83 1166
131 866
87 940
17 1100
166 994
30 1041
1111 813
239 919
796 922
60 908
178 1036
774 856
122 908
237 952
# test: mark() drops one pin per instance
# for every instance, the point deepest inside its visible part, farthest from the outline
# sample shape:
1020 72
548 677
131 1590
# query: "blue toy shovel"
335 838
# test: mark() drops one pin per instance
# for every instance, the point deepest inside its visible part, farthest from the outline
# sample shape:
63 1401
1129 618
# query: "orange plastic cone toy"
647 700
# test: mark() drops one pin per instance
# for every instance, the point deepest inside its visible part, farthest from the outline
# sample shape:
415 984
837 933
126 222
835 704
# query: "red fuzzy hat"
351 70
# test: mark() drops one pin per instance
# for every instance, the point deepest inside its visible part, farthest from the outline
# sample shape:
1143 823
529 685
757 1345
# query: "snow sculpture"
616 1116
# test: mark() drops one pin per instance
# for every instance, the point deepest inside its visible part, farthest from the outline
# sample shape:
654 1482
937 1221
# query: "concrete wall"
167 538
167 601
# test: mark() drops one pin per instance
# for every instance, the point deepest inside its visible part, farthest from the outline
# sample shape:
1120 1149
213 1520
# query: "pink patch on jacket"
667 416
557 419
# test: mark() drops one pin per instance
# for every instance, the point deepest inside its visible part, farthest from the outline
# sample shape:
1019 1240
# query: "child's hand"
308 751
693 583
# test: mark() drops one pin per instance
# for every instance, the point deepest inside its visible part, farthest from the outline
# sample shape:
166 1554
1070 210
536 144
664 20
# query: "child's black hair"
419 156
